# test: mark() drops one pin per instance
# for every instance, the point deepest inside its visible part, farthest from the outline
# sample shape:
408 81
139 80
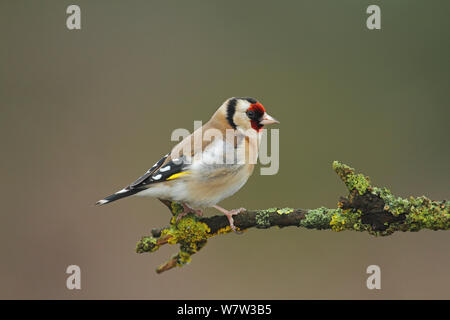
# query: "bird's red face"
258 116
246 114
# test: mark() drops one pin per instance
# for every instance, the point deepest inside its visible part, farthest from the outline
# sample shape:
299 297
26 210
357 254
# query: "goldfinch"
209 165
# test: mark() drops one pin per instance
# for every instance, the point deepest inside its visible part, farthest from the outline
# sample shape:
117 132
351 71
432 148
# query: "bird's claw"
230 215
188 210
237 211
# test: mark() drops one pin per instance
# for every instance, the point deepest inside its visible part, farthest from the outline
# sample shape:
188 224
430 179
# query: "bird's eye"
250 114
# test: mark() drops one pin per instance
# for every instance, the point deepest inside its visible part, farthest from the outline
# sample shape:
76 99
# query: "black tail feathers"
119 195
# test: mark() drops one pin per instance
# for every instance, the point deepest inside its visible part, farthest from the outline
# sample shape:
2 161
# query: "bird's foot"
188 210
229 214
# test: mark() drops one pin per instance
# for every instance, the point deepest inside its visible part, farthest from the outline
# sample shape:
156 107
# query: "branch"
366 208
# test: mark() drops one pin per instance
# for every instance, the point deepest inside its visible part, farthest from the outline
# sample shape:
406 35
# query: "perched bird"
209 165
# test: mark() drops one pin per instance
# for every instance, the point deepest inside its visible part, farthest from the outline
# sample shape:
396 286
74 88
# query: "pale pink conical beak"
267 119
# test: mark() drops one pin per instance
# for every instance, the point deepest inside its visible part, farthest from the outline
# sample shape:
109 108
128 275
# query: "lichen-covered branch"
366 208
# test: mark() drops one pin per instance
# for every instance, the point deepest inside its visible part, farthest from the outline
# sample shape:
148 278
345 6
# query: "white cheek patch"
242 121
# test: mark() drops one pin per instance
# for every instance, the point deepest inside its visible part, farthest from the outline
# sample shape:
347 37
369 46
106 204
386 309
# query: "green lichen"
224 230
285 211
358 182
183 258
189 232
270 210
347 220
353 181
147 244
262 219
176 208
395 205
318 218
426 214
419 213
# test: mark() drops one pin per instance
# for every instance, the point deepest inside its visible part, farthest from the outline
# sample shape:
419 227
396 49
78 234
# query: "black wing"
164 170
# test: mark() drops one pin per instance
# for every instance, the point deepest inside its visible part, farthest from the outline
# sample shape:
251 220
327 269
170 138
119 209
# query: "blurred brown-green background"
85 112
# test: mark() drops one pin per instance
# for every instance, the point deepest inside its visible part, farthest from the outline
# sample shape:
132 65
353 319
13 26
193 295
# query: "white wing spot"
164 169
121 191
102 201
157 177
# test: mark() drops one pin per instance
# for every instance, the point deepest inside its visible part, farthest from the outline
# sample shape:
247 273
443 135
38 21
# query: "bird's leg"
187 210
230 214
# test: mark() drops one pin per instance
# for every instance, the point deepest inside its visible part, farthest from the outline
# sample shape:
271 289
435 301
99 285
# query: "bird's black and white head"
246 113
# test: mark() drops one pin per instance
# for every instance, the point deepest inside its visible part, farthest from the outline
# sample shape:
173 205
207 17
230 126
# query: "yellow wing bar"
177 175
